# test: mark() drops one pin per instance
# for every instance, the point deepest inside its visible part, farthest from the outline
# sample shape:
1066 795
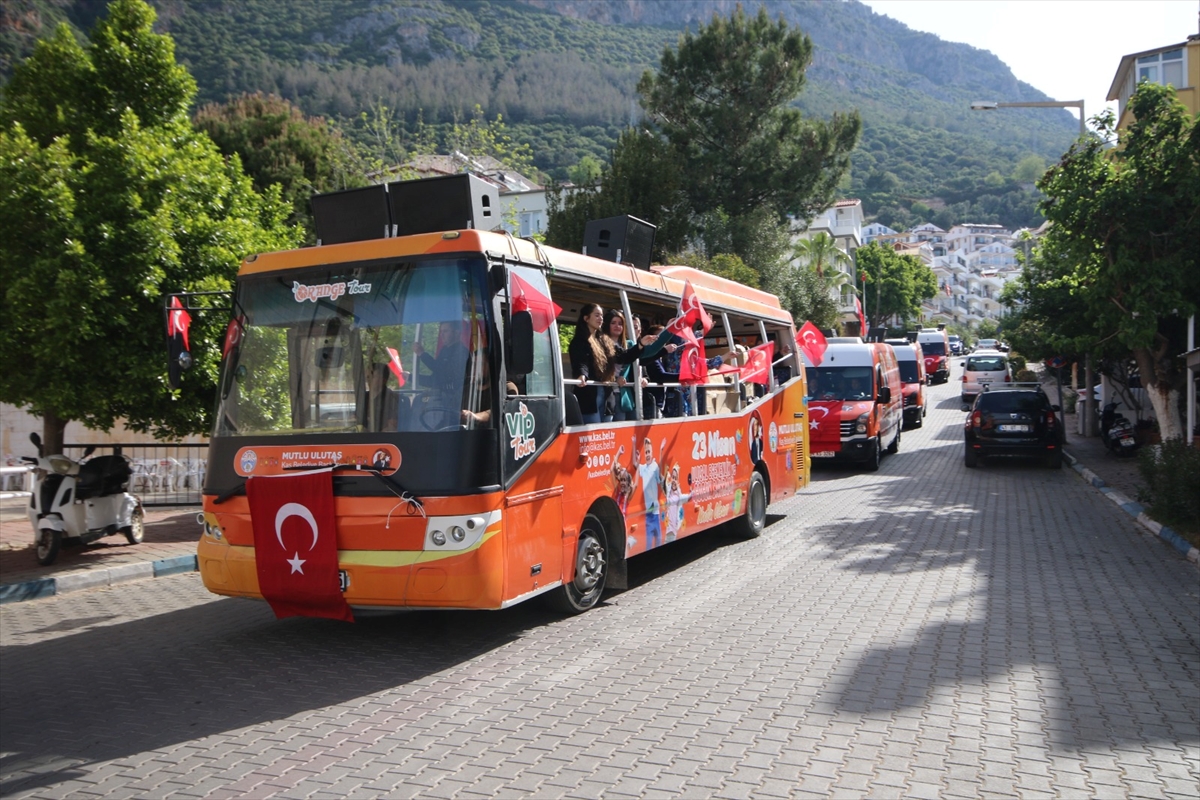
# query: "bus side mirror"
885 395
520 343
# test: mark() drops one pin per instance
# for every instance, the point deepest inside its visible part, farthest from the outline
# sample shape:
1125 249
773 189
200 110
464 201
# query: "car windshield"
985 364
840 383
908 372
1010 402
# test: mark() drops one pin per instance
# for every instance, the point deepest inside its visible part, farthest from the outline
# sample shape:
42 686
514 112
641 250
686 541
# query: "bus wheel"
591 570
751 524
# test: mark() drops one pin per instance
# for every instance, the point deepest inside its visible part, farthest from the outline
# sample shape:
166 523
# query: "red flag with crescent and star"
178 321
693 365
395 366
295 544
233 335
862 319
812 342
758 364
825 426
526 298
691 311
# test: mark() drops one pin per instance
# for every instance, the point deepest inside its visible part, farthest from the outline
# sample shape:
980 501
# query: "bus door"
533 419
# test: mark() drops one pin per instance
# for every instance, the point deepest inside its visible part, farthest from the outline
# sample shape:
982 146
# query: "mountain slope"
562 72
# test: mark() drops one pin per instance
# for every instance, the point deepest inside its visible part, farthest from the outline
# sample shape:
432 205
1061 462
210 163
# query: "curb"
1136 511
77 581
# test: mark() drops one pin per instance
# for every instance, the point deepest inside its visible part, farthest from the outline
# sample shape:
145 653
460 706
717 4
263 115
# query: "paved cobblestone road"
924 631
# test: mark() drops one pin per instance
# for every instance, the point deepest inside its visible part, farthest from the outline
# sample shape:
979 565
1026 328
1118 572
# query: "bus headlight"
861 425
458 532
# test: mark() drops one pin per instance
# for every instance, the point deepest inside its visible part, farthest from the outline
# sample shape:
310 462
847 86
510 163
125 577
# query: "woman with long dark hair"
593 360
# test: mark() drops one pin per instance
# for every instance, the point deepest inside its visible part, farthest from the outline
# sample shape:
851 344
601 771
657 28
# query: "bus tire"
591 571
750 525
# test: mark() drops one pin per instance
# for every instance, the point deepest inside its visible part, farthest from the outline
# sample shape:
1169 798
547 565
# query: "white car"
982 369
987 344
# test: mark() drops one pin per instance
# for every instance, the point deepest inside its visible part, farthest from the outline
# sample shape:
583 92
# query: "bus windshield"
840 383
397 346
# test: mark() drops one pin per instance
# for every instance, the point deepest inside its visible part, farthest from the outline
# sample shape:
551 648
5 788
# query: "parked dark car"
1013 422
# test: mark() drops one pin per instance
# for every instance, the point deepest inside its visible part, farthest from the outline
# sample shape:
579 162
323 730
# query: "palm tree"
819 252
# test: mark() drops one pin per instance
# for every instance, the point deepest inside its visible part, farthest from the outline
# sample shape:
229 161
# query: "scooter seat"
103 475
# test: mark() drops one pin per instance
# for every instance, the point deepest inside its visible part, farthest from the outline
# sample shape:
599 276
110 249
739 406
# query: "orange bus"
376 366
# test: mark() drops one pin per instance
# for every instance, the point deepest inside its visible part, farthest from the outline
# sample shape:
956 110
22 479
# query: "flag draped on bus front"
295 544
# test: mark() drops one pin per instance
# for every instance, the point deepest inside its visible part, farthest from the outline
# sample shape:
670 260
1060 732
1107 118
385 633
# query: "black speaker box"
352 215
626 240
449 203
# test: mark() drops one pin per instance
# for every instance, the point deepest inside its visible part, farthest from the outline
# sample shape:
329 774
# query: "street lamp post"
992 105
1088 411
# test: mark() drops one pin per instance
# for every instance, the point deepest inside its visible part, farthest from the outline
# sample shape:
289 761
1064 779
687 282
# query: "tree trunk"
53 429
1158 379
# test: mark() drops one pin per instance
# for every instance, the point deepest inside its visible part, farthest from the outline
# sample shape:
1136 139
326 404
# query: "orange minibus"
397 428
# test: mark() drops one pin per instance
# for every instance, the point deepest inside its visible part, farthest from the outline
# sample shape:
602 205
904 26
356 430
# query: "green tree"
479 137
808 296
586 172
277 143
723 264
722 98
1122 246
895 284
1029 169
109 200
644 179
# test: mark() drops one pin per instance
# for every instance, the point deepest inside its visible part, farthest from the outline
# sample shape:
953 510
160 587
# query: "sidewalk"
172 534
1117 479
168 548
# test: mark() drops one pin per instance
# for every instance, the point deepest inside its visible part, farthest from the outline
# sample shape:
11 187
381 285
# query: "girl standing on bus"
593 359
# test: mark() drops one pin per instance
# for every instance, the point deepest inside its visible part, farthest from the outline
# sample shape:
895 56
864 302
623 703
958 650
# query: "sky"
1069 49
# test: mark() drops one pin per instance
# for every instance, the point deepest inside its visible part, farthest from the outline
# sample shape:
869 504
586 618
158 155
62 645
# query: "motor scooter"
1117 432
78 502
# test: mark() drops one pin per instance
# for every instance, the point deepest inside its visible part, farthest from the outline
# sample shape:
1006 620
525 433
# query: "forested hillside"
562 74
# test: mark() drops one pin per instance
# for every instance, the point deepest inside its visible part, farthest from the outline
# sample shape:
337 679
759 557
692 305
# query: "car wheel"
874 453
970 459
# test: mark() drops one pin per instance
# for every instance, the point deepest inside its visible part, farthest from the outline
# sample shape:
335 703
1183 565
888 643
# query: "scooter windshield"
396 346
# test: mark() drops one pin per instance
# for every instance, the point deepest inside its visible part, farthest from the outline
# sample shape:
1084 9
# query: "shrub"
1026 376
1171 472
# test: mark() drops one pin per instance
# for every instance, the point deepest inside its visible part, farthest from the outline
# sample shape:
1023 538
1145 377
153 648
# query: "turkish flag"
178 321
295 544
862 320
233 335
693 366
395 366
758 364
526 298
825 425
812 342
178 356
690 312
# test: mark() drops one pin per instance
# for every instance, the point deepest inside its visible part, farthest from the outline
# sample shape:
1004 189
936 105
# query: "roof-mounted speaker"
625 240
